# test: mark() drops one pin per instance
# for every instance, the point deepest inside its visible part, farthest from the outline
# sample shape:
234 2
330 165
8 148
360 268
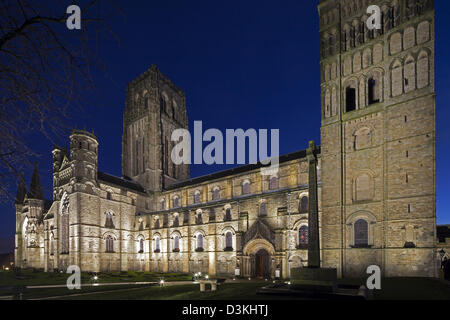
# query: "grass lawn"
391 288
407 288
29 277
227 291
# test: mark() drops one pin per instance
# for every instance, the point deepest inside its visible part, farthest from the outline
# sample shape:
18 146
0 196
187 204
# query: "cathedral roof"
241 169
120 182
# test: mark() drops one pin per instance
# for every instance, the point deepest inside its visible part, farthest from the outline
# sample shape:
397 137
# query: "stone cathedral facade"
375 173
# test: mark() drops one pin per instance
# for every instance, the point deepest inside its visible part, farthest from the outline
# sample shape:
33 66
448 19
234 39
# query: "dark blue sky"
243 64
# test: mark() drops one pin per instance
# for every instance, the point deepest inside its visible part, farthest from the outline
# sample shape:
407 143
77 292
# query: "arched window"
262 209
197 197
350 99
246 187
176 243
303 237
423 73
176 220
304 204
109 244
227 214
176 202
108 196
199 243
52 244
373 87
163 204
141 245
228 241
361 233
216 194
199 218
157 245
109 220
273 183
156 223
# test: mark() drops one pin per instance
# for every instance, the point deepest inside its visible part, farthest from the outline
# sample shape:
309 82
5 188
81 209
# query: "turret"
84 155
35 186
35 196
21 190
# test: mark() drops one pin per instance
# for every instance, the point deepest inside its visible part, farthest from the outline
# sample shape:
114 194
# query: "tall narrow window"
304 204
157 223
166 157
199 242
141 245
143 155
176 202
52 244
197 197
157 245
227 214
303 237
109 244
199 219
361 233
262 209
136 169
176 244
176 221
109 220
216 194
163 204
229 241
350 99
373 87
246 187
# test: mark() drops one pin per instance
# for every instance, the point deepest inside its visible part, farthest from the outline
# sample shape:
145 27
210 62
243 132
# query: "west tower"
154 108
378 137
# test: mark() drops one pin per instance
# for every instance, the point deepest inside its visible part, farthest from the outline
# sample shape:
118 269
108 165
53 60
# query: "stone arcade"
375 174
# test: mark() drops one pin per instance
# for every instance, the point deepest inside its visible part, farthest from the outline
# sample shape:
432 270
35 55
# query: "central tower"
378 137
154 108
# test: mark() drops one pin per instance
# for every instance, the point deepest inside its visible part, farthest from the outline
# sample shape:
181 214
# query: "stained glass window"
303 236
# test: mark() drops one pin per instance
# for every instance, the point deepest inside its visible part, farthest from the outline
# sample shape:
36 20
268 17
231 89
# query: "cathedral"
372 180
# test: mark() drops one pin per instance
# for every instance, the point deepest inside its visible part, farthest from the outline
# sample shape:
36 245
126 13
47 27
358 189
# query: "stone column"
313 217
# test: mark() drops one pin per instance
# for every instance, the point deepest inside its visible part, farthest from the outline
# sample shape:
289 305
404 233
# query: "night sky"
243 64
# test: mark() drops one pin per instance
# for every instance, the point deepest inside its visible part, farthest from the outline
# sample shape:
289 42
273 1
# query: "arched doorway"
258 259
262 264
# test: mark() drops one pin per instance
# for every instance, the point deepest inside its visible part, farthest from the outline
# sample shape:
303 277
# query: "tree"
44 71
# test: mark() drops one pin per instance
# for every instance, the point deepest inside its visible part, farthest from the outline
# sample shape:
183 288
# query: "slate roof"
120 182
245 168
